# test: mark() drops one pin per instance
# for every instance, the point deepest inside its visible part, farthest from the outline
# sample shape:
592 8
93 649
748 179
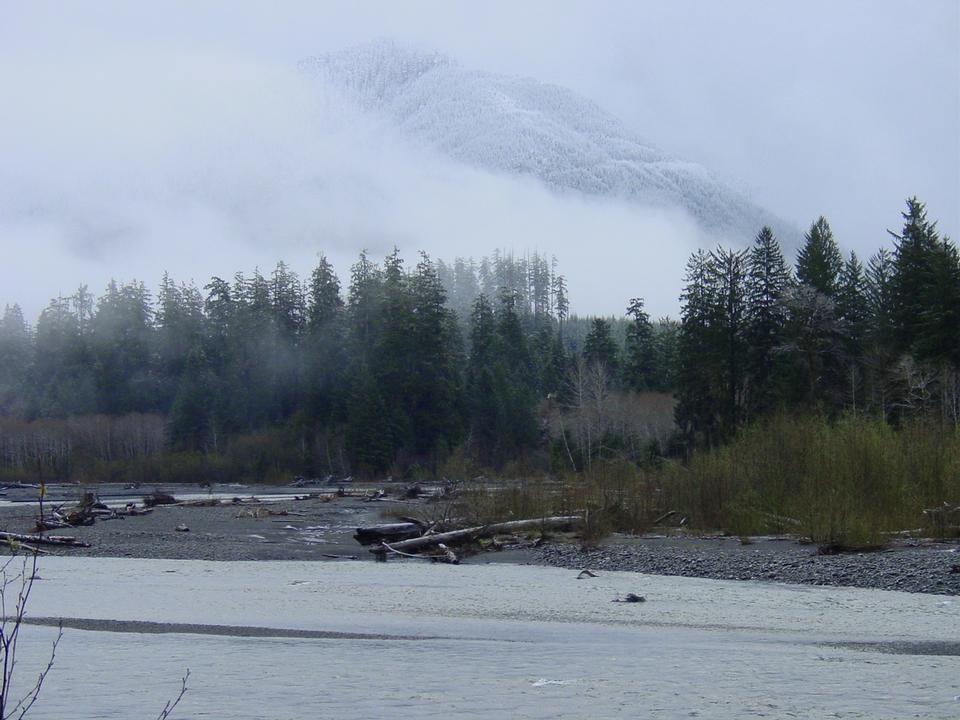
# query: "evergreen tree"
879 351
813 340
121 342
61 374
938 324
485 382
179 332
288 302
363 304
600 348
767 282
853 313
697 411
15 351
913 258
434 406
191 426
666 354
726 276
819 262
640 355
369 438
518 383
324 296
326 355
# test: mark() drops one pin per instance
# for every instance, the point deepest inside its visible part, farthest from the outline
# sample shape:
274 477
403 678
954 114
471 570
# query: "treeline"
299 376
830 337
437 369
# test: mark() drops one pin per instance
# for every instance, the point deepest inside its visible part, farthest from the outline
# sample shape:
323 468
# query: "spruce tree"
518 388
852 314
324 301
666 355
600 348
697 411
122 338
640 352
916 253
485 380
62 370
938 322
15 351
767 282
879 351
819 262
325 361
726 278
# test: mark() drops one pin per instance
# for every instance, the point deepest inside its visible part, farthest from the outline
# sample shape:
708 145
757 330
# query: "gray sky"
140 137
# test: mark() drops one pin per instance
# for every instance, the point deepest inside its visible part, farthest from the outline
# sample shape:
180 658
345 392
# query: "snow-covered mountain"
521 126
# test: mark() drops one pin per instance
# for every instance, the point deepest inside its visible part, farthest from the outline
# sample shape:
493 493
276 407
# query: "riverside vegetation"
820 399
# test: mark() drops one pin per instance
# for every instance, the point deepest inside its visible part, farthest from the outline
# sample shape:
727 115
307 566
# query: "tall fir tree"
767 282
915 250
819 261
640 352
599 347
853 315
726 277
15 351
697 412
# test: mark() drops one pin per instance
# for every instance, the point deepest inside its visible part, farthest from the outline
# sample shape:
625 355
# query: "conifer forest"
784 381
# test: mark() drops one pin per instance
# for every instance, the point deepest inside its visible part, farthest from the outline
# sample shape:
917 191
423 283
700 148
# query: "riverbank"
271 524
917 566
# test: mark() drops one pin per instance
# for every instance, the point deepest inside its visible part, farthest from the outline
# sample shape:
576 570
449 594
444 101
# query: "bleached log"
55 540
455 537
446 554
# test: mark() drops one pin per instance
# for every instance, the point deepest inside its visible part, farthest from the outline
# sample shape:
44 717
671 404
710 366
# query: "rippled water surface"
365 640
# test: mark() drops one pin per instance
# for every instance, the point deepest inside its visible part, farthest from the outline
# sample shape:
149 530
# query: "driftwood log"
55 540
456 537
445 554
389 532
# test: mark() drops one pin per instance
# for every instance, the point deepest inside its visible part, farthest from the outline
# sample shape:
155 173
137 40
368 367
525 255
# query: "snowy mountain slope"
525 127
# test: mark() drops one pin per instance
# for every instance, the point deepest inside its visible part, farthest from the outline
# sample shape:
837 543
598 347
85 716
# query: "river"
285 640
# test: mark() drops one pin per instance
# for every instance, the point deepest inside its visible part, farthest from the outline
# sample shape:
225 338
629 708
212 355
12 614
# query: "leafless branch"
171 704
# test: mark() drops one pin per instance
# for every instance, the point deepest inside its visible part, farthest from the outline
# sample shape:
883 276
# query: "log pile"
436 545
86 512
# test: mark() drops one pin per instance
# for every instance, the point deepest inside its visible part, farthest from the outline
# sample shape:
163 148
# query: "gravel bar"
916 566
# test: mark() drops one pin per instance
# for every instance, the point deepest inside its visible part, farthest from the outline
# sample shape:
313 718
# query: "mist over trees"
432 368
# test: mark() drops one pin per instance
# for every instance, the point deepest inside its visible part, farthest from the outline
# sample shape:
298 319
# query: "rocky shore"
909 566
316 528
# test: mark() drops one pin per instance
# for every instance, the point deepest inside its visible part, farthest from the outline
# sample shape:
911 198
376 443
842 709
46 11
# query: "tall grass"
843 483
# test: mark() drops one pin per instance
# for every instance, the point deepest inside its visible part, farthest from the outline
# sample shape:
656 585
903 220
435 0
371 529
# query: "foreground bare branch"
171 704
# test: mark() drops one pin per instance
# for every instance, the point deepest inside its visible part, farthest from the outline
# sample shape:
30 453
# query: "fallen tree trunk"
55 540
446 554
455 537
388 533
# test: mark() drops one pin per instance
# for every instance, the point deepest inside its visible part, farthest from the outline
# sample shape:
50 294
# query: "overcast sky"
140 137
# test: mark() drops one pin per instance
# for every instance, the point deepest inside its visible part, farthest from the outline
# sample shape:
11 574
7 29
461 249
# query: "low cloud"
129 164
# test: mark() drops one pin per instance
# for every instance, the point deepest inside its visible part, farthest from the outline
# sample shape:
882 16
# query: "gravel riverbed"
312 529
909 566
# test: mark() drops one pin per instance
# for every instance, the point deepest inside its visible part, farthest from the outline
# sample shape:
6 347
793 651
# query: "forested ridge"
430 369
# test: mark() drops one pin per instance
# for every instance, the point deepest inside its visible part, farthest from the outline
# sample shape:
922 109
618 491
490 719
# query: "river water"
279 640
